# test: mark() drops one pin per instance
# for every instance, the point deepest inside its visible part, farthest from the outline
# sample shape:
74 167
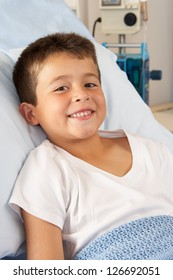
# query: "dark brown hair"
31 61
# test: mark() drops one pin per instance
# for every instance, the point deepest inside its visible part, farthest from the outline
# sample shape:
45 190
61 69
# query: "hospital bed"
21 23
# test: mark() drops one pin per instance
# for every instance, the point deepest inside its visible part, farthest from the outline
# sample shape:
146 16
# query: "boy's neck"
85 148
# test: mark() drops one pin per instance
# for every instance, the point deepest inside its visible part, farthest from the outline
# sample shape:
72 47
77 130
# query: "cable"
94 25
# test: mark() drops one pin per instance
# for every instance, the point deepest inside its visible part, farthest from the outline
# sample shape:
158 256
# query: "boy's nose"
80 98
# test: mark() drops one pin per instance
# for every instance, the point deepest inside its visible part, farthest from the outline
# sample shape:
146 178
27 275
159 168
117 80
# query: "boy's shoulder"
155 151
141 143
43 152
42 147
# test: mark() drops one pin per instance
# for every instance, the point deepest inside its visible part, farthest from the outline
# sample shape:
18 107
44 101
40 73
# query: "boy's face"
70 102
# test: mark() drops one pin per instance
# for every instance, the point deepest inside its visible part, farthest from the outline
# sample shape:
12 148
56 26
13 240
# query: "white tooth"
81 114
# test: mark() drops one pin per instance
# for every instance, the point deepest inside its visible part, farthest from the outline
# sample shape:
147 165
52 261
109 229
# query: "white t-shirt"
85 201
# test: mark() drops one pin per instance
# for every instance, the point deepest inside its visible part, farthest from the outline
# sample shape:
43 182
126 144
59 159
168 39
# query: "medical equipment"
136 67
126 17
120 16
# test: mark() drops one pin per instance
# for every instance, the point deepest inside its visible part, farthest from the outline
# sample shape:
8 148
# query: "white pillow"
24 21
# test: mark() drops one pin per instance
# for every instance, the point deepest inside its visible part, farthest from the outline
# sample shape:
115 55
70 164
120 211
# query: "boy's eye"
61 88
90 85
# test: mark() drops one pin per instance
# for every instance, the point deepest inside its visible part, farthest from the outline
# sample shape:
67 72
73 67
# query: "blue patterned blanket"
144 239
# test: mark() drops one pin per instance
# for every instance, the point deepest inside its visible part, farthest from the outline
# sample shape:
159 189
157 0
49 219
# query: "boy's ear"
27 111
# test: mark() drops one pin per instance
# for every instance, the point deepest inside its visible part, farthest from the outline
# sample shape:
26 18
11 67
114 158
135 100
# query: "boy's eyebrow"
59 78
68 76
91 75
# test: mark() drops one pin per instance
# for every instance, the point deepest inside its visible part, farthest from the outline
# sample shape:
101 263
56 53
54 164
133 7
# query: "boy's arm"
43 239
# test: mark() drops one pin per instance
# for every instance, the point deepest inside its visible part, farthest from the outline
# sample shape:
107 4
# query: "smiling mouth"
81 114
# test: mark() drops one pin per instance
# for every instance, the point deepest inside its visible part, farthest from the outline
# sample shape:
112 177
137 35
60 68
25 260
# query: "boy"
80 182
